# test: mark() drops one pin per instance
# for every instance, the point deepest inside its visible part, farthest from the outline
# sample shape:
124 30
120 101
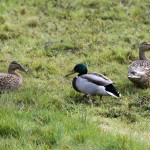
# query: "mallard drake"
92 84
12 80
139 71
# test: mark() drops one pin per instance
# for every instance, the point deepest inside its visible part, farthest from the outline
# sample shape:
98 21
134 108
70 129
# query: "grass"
49 38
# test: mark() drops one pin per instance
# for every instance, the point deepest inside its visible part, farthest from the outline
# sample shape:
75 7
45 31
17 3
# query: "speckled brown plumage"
139 71
12 80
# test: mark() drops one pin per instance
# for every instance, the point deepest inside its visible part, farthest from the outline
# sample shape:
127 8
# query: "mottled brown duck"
12 80
139 71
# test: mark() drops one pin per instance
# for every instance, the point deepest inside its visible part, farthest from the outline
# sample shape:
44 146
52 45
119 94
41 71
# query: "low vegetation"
50 38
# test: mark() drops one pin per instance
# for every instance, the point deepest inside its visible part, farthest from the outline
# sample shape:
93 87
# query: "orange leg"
90 100
148 83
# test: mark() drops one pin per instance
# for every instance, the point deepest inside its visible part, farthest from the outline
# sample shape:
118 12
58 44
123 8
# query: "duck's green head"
79 68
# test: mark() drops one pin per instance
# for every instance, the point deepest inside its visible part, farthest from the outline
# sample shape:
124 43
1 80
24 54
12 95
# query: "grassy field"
49 37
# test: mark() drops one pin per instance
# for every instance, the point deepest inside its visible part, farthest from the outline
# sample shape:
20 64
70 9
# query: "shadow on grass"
9 131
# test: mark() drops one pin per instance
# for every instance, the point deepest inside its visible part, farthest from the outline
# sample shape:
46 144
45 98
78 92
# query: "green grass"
49 38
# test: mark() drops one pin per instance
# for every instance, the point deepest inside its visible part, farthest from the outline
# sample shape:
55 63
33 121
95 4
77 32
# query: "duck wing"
6 80
141 64
97 78
140 67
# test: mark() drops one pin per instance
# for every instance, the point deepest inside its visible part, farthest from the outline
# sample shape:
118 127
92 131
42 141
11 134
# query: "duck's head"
145 46
14 65
79 68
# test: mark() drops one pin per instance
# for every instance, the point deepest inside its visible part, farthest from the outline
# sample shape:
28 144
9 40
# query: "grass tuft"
8 131
2 19
33 21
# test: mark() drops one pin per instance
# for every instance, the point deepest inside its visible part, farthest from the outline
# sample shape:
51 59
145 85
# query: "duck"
139 70
92 84
11 80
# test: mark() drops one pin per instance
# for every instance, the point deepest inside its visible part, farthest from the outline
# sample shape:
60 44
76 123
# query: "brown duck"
139 71
12 80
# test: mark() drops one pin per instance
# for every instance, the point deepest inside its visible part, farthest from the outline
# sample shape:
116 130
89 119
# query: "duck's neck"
142 55
81 74
14 73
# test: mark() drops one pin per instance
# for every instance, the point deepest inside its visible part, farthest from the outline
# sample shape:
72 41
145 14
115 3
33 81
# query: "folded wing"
97 78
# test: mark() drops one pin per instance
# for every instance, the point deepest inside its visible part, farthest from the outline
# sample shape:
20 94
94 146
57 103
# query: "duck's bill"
23 69
70 73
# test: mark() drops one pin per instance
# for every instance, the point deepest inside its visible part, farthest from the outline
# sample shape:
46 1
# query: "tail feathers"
111 94
111 90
